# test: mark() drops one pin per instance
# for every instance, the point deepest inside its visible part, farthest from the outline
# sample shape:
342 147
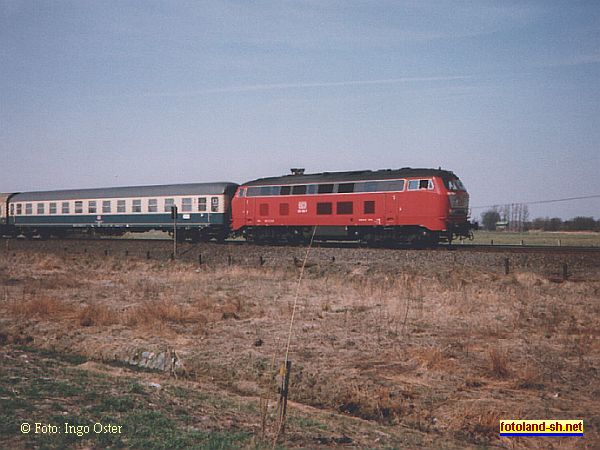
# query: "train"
409 205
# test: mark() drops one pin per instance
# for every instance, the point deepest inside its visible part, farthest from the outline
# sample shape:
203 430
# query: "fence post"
565 271
506 266
261 260
148 254
200 259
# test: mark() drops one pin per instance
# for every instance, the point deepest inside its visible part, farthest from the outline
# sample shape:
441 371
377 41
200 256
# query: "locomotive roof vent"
297 171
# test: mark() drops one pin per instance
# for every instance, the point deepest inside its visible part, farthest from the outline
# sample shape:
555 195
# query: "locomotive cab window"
242 193
52 208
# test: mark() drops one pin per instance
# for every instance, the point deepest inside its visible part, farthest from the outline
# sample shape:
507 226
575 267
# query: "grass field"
381 358
586 239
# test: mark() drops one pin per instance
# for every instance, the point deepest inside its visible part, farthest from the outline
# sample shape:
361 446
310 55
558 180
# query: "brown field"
381 358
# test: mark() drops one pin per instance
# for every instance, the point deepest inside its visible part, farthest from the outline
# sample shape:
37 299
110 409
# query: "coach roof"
129 192
362 175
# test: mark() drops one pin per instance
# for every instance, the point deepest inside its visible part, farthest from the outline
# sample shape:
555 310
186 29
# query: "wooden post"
283 395
565 271
126 253
492 242
200 259
148 254
522 242
229 260
106 252
261 260
506 266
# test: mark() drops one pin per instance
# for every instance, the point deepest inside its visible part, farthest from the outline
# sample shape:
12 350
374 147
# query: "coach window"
299 190
324 208
92 209
121 206
325 189
78 207
214 204
311 189
65 208
52 208
344 208
284 209
201 204
169 203
152 205
186 204
285 190
136 206
40 208
345 188
28 208
19 209
105 206
12 209
369 207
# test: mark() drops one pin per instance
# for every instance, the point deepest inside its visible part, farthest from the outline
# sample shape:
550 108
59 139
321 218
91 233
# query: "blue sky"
101 93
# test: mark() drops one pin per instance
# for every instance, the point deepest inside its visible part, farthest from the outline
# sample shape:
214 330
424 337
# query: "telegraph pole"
174 217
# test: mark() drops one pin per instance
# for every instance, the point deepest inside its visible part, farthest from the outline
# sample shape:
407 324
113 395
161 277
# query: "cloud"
299 85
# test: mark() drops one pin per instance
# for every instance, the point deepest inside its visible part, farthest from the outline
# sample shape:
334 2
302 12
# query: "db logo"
302 207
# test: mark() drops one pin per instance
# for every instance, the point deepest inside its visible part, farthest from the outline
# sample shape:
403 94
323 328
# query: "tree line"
515 217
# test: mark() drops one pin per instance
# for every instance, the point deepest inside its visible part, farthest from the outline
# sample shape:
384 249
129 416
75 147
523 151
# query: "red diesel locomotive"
417 206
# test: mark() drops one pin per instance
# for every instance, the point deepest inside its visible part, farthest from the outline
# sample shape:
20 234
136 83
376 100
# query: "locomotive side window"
370 186
369 207
263 209
52 208
136 206
152 205
120 206
394 185
169 203
425 184
299 190
311 189
105 206
19 209
214 204
201 203
241 193
92 207
269 190
413 185
78 207
324 208
344 207
186 204
28 208
284 209
253 191
325 189
65 207
285 190
345 188
40 208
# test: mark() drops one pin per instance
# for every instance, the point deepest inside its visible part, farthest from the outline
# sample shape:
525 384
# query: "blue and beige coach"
203 210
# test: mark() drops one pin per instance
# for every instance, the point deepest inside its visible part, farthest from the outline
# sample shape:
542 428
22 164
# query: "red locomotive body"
404 205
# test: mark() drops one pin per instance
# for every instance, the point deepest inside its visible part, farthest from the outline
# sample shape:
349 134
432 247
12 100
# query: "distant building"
502 226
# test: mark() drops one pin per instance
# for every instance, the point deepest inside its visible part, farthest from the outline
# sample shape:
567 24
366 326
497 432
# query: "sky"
114 93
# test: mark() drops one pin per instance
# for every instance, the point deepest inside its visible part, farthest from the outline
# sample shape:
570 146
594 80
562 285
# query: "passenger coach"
404 205
203 210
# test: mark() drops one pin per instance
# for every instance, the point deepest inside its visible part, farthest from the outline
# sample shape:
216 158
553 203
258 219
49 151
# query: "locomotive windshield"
456 185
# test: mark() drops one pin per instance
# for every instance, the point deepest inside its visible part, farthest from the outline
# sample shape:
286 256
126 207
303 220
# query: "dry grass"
447 352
